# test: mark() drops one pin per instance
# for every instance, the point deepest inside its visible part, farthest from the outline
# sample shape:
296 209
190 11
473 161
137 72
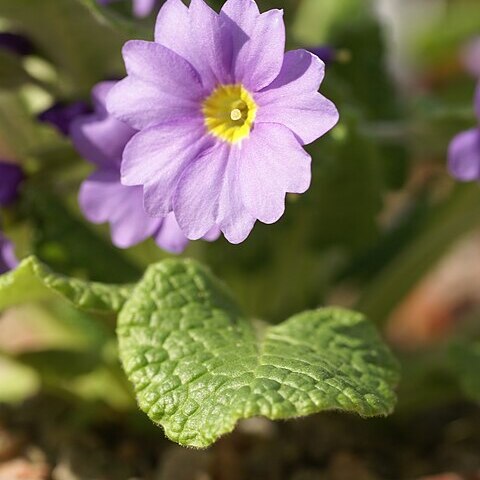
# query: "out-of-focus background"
383 229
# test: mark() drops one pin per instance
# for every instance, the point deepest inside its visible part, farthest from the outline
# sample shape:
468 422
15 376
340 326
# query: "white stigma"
235 114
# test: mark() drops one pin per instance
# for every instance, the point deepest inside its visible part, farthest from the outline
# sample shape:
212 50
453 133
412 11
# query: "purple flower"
61 115
14 43
141 8
325 53
11 177
222 115
101 139
8 260
470 56
464 151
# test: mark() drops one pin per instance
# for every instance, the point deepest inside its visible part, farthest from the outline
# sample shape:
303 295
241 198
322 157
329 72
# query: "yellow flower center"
229 112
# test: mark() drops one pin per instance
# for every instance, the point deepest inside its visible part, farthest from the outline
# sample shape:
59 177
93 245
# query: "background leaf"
465 363
68 33
31 281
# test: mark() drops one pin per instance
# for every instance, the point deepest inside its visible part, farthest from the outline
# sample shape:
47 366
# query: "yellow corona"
229 112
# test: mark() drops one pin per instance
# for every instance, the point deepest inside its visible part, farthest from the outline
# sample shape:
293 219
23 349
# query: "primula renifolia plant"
204 136
222 114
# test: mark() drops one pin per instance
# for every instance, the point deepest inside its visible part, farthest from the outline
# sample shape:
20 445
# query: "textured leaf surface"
198 365
32 281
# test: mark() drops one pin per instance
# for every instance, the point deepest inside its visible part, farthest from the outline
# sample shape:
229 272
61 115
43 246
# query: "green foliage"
315 19
71 25
19 133
18 381
348 198
465 364
12 73
70 245
456 216
198 365
31 281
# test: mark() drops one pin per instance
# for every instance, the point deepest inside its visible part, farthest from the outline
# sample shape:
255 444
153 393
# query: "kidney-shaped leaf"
198 365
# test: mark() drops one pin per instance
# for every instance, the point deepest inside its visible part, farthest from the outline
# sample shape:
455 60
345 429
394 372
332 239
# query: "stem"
458 215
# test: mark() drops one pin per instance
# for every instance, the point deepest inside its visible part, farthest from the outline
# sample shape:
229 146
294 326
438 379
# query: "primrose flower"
8 260
141 8
222 115
11 176
325 53
15 43
464 151
101 139
61 115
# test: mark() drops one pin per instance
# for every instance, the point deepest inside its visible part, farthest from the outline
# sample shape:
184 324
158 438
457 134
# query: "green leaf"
71 245
198 365
365 82
18 381
32 281
68 32
12 73
19 132
316 19
345 175
465 363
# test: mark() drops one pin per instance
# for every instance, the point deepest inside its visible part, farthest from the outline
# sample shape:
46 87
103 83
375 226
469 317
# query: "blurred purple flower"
100 138
15 43
464 151
61 115
325 53
141 8
11 177
470 56
223 114
8 260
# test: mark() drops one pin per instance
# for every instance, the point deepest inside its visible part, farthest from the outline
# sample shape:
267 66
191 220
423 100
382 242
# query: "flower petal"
99 137
477 101
172 28
156 157
170 237
260 58
161 86
244 14
292 99
240 17
213 234
103 198
233 217
8 259
143 8
143 105
11 176
198 191
273 163
198 35
213 45
464 156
